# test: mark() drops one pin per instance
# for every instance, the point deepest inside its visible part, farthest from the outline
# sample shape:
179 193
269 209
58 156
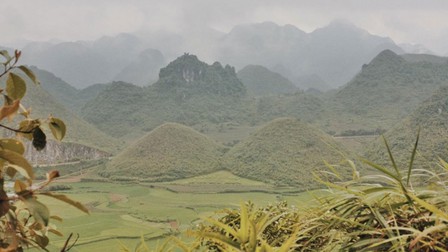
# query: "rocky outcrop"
62 152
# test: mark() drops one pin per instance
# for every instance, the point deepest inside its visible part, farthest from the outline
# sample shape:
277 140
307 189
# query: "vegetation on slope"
72 98
171 151
81 132
284 152
189 92
387 89
431 118
260 81
380 212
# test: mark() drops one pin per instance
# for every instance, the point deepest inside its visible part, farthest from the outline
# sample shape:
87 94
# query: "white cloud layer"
410 21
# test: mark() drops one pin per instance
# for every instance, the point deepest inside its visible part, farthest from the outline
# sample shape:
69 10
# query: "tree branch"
16 130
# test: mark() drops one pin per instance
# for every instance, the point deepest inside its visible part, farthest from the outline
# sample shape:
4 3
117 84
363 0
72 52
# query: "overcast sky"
405 21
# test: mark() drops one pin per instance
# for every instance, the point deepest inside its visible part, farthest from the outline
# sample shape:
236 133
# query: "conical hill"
285 152
432 119
171 151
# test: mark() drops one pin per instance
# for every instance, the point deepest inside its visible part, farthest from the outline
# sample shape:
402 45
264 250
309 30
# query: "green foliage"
432 118
188 76
24 220
378 212
171 151
386 90
43 104
192 93
265 229
260 81
284 152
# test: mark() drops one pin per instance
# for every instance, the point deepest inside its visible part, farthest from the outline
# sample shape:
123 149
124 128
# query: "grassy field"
122 213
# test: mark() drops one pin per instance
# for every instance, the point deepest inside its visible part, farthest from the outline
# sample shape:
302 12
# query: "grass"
121 213
169 152
284 152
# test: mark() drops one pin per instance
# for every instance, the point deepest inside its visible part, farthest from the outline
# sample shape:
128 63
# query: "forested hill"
188 91
388 89
190 76
431 117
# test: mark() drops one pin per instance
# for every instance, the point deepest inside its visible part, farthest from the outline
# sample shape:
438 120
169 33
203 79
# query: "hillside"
78 131
386 90
189 92
64 93
171 151
285 152
187 75
260 81
432 119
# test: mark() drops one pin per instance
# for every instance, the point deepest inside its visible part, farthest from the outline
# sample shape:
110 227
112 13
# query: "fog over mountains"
325 58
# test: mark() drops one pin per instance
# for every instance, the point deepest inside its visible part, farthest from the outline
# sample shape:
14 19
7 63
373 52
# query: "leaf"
55 217
38 210
12 145
19 186
39 139
411 162
42 241
11 172
434 209
66 200
5 54
52 175
57 127
56 232
9 110
15 86
28 126
30 74
18 162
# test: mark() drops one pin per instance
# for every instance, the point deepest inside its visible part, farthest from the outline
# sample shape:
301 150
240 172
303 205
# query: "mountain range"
325 58
202 101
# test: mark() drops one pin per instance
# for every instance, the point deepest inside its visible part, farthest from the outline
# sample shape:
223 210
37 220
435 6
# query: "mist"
404 21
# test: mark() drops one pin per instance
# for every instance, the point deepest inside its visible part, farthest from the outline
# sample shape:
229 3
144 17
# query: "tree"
24 220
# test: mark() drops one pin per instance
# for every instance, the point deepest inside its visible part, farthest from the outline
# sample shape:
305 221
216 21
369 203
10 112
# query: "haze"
405 21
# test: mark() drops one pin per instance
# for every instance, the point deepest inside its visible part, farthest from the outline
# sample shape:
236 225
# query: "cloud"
413 21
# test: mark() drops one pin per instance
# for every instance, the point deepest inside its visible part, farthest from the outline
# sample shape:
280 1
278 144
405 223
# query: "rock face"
62 152
188 75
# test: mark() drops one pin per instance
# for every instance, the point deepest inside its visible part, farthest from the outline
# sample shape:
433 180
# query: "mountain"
425 58
285 151
113 109
75 62
303 105
334 53
144 70
265 44
432 119
260 81
65 94
78 131
171 151
188 91
187 75
387 89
